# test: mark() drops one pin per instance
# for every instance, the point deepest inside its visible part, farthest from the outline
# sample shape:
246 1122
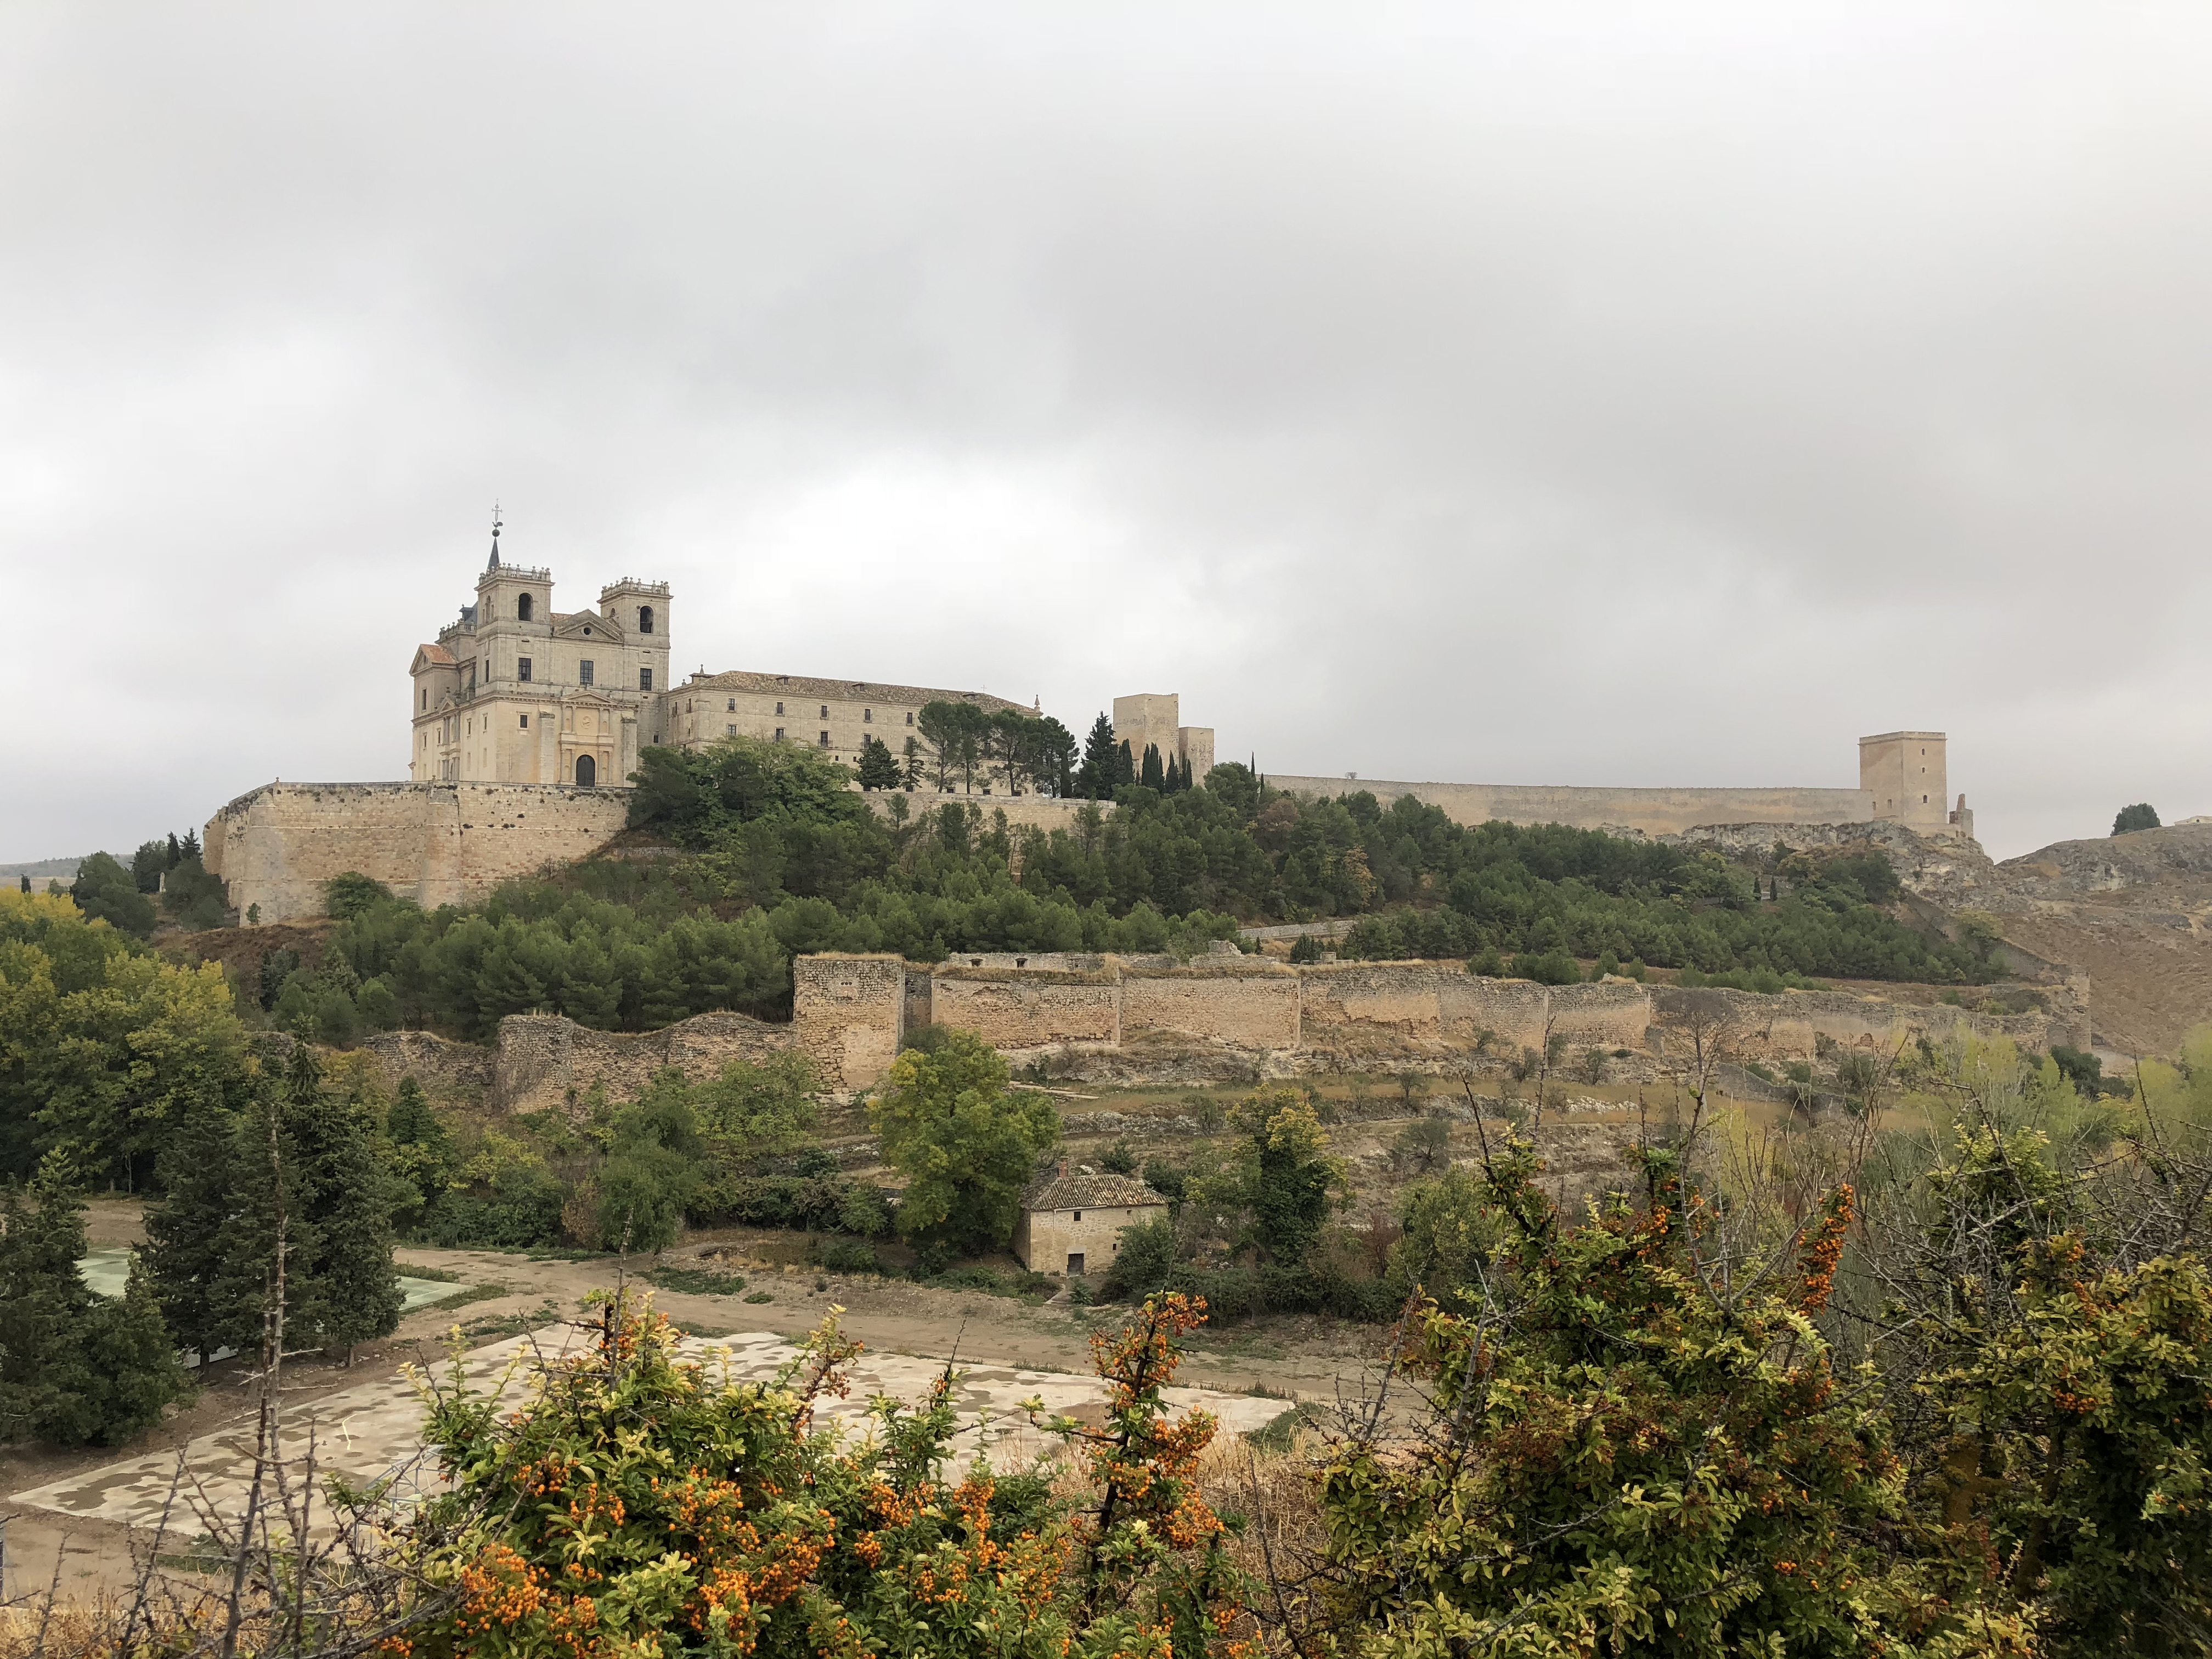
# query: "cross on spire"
494 565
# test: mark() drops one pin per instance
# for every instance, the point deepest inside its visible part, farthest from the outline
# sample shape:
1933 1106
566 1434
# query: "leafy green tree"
1635 1464
966 1147
957 734
1276 1193
106 892
1449 1245
150 863
193 899
75 1368
353 895
2141 815
879 768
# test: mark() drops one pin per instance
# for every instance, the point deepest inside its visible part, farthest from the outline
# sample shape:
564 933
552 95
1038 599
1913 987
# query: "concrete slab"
372 1431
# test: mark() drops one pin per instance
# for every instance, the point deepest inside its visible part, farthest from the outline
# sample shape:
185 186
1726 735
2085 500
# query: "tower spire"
494 565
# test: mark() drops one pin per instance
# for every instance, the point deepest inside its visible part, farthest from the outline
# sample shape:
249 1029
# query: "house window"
522 669
526 723
733 703
731 732
426 697
779 732
825 711
825 741
525 608
584 672
644 679
1078 1215
645 619
867 717
910 717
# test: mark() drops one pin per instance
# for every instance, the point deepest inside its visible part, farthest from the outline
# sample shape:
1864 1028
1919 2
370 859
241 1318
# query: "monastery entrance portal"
586 772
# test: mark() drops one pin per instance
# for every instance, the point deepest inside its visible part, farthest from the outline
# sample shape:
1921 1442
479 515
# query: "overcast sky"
1626 395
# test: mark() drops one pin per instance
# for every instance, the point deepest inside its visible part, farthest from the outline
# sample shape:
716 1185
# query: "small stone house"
1072 1225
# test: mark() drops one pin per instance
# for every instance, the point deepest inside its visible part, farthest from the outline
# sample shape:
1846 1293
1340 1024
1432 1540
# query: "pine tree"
879 768
1152 777
910 774
351 1202
185 1231
75 1368
266 1214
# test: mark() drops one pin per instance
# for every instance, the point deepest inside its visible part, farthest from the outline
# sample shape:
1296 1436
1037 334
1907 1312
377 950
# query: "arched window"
586 772
645 619
525 608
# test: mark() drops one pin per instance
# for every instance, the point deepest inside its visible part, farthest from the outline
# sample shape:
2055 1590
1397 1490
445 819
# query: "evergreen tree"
1172 783
266 1214
1102 761
910 773
2141 815
1152 777
75 1368
350 1199
1124 765
187 1232
879 768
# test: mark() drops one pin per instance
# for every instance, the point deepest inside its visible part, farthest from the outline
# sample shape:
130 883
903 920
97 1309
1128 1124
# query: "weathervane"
495 537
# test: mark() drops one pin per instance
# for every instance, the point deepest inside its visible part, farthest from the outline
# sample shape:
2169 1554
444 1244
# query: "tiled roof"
801 685
1088 1192
436 654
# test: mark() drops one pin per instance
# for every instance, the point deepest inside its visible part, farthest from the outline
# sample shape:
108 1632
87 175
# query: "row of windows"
867 716
526 610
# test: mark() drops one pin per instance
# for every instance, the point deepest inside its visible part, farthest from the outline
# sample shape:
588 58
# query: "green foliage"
75 1368
1119 1158
640 1497
2141 816
1628 1463
966 1147
879 768
352 896
106 892
1452 1231
103 1048
1275 1193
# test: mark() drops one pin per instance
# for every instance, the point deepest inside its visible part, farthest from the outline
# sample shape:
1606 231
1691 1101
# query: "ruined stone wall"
1245 1002
1653 812
849 1013
436 844
1352 1007
1791 1026
1028 1008
448 1072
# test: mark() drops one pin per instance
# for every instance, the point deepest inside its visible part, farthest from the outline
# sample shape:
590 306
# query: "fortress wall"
1035 1008
849 1013
447 1071
1654 811
436 844
1602 1016
1030 812
547 1062
1788 1026
1362 1005
1247 1002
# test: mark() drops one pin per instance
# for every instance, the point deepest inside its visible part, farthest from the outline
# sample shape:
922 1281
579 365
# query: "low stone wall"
1022 811
545 1062
436 844
1653 812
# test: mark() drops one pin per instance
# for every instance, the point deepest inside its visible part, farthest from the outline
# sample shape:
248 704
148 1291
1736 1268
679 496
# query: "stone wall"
1022 811
1794 1025
1028 1008
436 844
1653 812
849 1013
1243 1002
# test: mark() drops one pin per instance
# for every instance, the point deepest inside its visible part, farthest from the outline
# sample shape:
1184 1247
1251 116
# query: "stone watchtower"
1903 771
517 692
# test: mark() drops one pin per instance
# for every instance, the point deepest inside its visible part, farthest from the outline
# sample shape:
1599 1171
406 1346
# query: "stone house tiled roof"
1088 1192
801 685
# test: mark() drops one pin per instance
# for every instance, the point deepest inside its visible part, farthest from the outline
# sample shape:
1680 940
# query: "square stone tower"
1155 717
1904 773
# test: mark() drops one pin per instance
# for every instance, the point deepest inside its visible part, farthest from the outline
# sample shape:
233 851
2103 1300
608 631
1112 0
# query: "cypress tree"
1124 765
1152 777
350 1198
1102 762
1173 782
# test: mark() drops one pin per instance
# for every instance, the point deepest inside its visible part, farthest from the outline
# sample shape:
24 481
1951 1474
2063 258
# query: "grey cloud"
1546 394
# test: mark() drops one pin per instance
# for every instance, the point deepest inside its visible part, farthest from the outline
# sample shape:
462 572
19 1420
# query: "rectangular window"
733 707
526 723
779 733
644 679
910 717
731 732
733 703
825 741
522 669
825 711
867 717
584 672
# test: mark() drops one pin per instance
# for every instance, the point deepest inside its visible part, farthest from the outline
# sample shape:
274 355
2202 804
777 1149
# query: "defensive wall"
1022 811
436 844
1652 811
850 1012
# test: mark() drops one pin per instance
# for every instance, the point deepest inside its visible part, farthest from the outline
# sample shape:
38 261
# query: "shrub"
842 1256
2141 815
